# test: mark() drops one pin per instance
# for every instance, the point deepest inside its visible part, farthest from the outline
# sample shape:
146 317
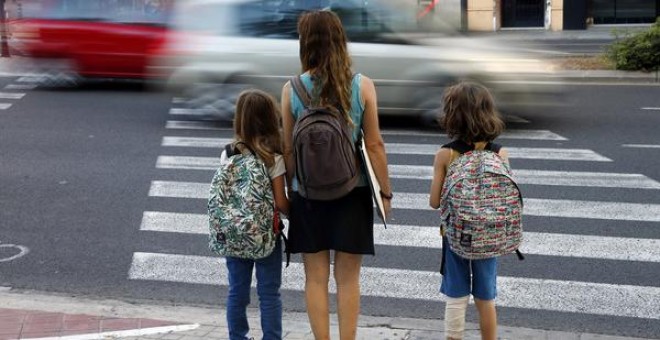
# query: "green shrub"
637 52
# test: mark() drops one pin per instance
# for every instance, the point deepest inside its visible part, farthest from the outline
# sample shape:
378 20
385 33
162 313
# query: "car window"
211 18
150 12
361 22
278 19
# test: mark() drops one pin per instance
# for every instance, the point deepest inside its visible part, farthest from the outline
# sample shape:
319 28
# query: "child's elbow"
434 204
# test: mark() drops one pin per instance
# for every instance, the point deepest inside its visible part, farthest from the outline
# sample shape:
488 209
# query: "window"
624 11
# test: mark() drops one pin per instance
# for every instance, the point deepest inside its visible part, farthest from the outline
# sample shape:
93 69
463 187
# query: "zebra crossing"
11 93
193 146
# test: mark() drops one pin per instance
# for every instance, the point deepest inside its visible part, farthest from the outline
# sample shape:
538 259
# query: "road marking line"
539 294
5 106
32 79
416 149
540 177
651 108
514 119
564 245
641 146
509 134
124 334
183 111
11 95
558 208
422 172
21 87
178 100
416 201
521 153
194 125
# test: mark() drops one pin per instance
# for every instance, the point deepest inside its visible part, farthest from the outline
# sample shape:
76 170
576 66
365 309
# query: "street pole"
4 46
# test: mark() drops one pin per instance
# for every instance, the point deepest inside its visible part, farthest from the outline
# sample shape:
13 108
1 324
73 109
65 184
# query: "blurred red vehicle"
91 38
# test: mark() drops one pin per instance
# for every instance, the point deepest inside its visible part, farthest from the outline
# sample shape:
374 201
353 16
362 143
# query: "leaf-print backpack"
241 207
481 206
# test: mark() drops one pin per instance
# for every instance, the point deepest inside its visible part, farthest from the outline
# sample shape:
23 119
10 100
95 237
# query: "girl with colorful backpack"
251 182
471 120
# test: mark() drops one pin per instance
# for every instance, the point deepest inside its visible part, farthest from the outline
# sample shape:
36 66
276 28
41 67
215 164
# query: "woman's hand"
387 205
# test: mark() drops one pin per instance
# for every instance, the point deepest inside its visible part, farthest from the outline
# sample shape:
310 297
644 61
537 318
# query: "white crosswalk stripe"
194 125
32 79
21 87
611 248
416 149
419 172
416 201
563 296
11 95
569 296
642 146
513 134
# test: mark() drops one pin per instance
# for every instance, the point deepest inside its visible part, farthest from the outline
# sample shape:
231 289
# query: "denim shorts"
463 277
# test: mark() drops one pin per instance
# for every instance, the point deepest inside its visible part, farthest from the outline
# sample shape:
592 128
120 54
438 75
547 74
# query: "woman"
344 225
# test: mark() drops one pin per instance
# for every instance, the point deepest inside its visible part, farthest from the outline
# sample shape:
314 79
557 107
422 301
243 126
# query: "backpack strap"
301 91
494 147
463 147
231 149
303 94
460 146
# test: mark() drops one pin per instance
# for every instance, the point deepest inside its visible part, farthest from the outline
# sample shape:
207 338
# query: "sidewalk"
37 315
597 32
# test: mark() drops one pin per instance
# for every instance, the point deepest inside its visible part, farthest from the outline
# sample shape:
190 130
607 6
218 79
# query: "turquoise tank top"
357 112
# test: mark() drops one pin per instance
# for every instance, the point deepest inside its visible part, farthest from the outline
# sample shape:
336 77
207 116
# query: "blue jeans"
269 279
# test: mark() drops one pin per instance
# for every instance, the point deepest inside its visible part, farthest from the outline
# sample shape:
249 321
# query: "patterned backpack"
481 209
243 220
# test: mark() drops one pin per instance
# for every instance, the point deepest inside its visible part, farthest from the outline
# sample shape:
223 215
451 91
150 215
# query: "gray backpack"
327 166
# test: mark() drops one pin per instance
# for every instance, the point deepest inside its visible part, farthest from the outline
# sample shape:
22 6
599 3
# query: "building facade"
492 15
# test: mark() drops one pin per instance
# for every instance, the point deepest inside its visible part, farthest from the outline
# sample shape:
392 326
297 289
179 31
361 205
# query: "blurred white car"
223 46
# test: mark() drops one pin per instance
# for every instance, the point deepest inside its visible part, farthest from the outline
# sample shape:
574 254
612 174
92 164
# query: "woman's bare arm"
373 139
287 129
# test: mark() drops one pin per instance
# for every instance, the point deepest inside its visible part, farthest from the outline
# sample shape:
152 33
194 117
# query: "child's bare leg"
487 318
455 317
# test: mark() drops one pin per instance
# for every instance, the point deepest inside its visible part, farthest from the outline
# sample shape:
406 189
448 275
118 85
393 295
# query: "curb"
211 320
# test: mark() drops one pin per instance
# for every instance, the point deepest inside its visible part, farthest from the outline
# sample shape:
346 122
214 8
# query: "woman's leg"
347 276
317 275
487 318
269 280
240 278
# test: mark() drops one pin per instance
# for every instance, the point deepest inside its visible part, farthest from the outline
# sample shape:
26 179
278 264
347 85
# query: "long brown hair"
470 114
324 53
257 124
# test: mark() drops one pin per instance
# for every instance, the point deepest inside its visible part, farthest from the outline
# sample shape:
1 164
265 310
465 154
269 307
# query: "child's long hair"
470 114
257 124
324 52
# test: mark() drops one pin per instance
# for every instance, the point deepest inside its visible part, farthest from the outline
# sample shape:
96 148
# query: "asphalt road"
78 169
